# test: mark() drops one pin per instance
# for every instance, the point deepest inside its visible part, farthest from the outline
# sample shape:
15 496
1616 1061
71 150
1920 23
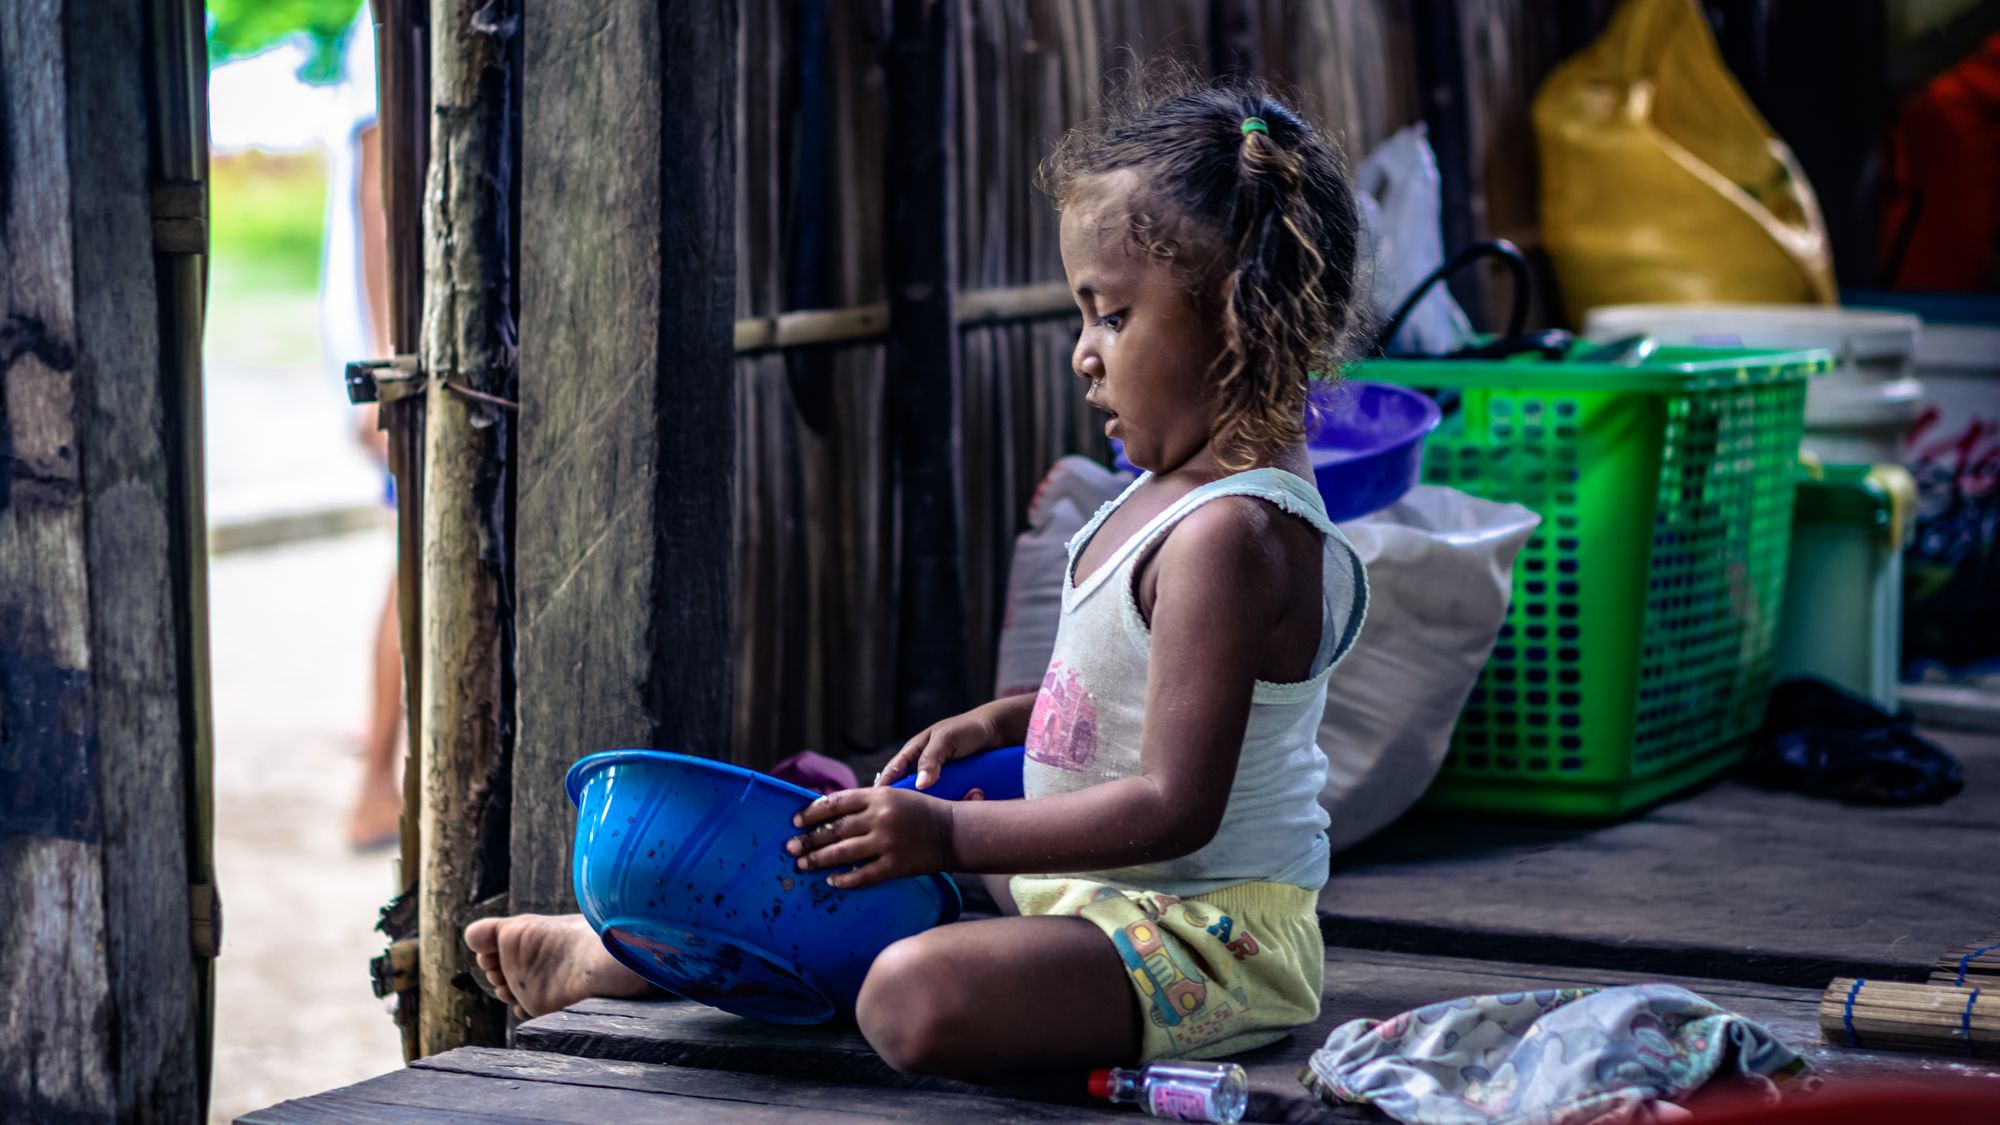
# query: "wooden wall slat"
629 415
54 1052
1351 63
102 1020
770 550
924 395
130 459
850 523
815 642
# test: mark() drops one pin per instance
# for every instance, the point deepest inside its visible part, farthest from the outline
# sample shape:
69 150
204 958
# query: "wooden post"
99 717
808 273
1235 39
1440 34
922 264
402 53
628 395
468 361
178 108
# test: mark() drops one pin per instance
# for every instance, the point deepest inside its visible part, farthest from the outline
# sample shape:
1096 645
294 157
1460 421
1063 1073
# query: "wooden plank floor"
1733 882
485 1084
1360 984
1754 900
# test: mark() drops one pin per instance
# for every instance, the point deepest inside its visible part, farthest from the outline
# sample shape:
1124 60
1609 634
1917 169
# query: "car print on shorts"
1173 989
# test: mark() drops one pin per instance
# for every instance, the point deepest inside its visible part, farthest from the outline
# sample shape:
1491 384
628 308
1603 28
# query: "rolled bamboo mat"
1897 1016
1970 966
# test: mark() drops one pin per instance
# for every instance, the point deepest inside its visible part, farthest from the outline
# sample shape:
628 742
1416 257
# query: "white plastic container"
1960 368
1856 413
1843 618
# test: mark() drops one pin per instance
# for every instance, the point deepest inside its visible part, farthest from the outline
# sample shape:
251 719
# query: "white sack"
1440 573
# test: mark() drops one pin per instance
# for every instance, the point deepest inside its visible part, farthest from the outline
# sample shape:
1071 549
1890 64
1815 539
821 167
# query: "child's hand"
942 742
888 832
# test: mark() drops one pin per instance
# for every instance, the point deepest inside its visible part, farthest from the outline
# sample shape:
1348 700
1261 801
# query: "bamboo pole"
403 66
467 340
812 326
863 324
1047 299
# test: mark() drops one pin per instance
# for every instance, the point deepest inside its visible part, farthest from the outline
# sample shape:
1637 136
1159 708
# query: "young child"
1173 840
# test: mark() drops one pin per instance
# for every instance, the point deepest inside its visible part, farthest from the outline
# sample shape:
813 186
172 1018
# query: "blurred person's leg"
380 803
375 242
374 822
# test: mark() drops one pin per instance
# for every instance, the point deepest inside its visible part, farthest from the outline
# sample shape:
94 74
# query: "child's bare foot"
540 964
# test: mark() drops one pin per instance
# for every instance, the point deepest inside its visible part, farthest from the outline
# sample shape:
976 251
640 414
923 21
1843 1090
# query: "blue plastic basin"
681 868
1368 449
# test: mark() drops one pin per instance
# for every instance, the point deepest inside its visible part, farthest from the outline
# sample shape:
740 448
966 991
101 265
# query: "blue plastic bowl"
1368 449
681 868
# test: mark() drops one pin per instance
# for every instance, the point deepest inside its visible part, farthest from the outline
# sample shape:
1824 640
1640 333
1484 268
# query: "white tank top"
1087 721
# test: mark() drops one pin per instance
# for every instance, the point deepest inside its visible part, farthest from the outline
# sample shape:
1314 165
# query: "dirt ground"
290 630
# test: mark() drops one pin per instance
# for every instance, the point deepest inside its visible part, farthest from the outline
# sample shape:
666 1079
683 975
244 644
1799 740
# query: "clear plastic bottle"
1179 1091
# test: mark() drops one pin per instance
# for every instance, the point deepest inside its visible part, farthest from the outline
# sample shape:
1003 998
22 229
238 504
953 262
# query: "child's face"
1146 349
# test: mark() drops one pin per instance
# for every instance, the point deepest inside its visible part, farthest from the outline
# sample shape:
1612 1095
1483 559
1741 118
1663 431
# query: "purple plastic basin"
1368 449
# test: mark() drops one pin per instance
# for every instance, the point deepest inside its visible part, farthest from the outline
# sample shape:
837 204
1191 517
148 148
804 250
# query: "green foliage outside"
267 219
244 27
267 212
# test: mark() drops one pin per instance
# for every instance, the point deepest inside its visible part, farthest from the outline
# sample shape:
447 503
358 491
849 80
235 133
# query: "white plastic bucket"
1856 413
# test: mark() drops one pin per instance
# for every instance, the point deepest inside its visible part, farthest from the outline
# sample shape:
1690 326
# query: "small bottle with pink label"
1179 1091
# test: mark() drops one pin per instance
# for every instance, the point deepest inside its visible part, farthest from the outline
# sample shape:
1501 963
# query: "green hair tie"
1255 125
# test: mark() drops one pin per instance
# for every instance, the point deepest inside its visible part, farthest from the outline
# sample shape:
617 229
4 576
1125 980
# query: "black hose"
1517 265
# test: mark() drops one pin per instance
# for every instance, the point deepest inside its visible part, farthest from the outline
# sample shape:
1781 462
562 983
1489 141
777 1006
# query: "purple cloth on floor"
816 772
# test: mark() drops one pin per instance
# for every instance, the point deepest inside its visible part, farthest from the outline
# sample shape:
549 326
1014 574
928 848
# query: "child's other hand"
944 741
886 832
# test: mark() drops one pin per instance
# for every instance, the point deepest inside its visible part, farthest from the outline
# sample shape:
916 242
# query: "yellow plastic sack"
1660 181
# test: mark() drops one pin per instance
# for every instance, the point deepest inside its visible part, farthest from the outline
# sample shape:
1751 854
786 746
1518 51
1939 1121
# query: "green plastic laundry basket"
1639 644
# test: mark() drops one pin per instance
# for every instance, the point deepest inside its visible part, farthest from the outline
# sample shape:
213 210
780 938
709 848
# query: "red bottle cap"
1100 1083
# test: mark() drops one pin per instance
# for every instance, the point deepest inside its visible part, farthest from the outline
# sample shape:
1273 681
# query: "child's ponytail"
1287 299
1254 206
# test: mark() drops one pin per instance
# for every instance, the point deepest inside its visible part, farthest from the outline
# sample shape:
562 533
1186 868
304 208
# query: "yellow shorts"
1216 973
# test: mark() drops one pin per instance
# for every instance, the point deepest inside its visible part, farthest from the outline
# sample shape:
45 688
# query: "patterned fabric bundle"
1567 1056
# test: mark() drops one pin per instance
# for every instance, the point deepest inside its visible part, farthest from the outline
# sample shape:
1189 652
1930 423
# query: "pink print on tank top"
1062 732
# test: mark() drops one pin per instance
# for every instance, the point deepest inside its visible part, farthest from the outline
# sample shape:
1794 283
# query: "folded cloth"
1563 1056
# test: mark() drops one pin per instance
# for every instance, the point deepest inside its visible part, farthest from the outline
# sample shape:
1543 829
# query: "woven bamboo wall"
815 548
816 582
